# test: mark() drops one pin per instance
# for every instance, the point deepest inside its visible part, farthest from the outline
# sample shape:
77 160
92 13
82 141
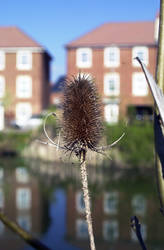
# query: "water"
46 199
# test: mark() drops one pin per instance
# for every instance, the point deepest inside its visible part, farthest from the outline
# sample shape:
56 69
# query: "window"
24 221
1 198
84 57
111 113
112 84
2 86
24 87
22 175
139 205
111 202
110 230
2 119
143 233
2 60
85 75
24 60
23 198
139 84
80 202
23 112
142 53
1 174
112 57
81 229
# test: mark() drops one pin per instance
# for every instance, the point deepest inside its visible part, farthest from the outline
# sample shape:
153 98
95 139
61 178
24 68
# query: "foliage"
14 140
136 148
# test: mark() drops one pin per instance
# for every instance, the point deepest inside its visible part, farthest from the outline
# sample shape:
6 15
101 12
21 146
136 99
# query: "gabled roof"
121 34
15 37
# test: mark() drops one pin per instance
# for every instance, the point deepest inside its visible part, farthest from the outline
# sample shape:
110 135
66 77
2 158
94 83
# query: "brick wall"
125 70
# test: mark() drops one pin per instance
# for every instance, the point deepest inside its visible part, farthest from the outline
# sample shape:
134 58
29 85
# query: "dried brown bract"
82 119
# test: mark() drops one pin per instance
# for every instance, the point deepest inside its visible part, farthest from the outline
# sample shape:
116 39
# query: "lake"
46 200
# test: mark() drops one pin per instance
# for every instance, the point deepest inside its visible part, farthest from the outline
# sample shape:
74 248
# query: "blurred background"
41 44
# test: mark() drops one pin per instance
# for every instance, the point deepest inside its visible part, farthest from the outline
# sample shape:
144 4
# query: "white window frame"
2 86
112 51
139 204
19 64
81 224
143 233
2 198
139 84
113 108
22 175
135 53
79 62
21 119
80 206
86 75
24 221
111 202
26 203
112 225
1 174
2 60
115 77
24 86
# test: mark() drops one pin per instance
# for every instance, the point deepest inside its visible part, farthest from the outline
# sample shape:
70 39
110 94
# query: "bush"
136 148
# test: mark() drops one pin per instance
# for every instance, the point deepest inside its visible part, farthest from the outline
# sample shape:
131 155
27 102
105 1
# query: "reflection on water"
46 200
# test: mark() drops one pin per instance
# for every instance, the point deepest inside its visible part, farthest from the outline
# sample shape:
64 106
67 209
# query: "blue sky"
55 23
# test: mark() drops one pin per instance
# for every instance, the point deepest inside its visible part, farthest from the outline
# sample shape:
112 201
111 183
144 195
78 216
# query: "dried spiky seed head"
82 122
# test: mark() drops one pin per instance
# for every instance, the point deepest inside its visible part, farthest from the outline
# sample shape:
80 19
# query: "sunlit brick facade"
107 54
24 76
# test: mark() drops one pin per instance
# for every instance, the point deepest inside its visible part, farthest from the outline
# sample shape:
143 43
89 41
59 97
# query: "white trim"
23 198
81 229
2 198
110 230
135 53
80 206
22 175
116 57
19 64
111 200
111 113
16 49
139 84
139 204
24 221
2 117
25 80
23 112
2 86
3 58
79 62
115 77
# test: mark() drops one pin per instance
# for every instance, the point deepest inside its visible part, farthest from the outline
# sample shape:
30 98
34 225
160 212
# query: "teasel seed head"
82 119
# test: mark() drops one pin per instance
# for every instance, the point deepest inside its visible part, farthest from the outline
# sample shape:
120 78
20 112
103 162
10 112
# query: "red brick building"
24 76
107 54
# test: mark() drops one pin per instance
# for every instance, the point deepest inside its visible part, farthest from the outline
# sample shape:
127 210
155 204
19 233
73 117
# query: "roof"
15 37
120 33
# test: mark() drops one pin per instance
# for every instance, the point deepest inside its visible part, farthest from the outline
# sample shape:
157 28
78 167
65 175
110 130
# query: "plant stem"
23 234
160 82
87 203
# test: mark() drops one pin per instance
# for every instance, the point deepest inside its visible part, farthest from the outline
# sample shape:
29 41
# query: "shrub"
136 148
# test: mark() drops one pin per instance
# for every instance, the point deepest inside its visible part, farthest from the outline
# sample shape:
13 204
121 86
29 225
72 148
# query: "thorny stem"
87 203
